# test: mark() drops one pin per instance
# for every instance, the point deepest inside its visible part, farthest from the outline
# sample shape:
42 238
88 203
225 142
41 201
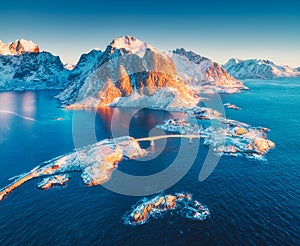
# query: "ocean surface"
252 202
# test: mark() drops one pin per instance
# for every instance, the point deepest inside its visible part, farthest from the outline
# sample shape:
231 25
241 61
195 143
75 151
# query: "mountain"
24 67
77 76
258 69
129 73
203 74
18 47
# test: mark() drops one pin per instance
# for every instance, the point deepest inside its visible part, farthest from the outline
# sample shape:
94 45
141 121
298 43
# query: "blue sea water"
250 201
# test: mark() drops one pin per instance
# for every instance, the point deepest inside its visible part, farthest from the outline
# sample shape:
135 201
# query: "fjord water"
251 201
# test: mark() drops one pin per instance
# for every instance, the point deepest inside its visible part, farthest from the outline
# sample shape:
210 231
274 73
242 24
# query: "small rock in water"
49 182
231 106
59 119
159 205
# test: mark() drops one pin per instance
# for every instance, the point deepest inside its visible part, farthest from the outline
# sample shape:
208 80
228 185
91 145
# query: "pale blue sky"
216 29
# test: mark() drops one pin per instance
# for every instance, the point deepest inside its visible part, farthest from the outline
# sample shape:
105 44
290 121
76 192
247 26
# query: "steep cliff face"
32 71
258 69
129 73
203 74
76 77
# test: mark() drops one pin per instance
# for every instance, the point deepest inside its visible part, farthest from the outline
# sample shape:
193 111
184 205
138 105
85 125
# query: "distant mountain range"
129 72
259 69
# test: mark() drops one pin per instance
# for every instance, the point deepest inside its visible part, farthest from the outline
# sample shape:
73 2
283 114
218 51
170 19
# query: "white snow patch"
135 46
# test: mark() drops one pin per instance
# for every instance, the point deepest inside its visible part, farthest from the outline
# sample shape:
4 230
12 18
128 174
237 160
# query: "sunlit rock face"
157 207
18 47
129 72
95 162
258 69
203 74
21 46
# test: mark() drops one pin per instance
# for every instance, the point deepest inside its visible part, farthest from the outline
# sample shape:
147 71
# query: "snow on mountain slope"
131 45
258 69
203 74
76 77
128 73
31 71
23 67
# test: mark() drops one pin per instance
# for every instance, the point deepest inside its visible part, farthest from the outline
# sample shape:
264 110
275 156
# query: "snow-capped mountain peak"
21 46
18 47
131 44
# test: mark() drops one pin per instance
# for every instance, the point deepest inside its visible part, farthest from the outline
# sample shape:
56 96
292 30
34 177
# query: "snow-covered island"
95 162
229 138
231 106
156 207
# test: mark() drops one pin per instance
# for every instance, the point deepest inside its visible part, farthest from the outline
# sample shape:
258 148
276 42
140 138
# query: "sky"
215 29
